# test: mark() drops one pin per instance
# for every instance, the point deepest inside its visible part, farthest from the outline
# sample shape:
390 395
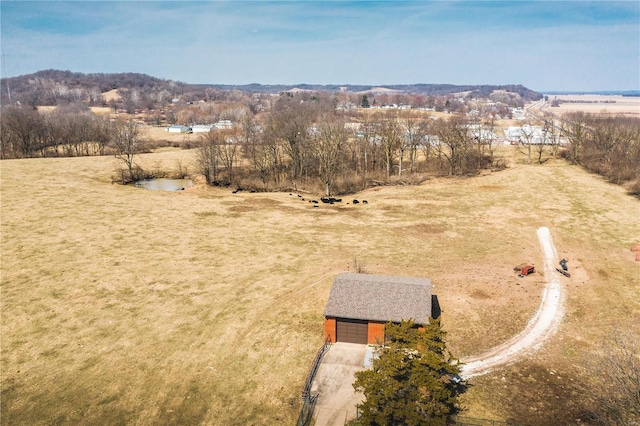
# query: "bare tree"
527 131
272 150
329 146
390 133
573 126
207 157
22 132
228 150
490 124
365 140
453 140
412 134
254 148
101 135
429 141
551 134
126 136
290 121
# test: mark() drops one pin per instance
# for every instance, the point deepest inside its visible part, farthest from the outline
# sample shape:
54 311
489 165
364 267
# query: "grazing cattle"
299 196
356 202
315 207
330 200
364 202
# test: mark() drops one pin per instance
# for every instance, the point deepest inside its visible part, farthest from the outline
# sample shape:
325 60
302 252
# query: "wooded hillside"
53 87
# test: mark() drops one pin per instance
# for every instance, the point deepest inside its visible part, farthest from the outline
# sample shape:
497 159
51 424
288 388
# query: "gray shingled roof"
380 298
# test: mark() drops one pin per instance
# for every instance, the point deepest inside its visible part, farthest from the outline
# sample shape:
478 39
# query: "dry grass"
126 306
597 104
101 110
111 95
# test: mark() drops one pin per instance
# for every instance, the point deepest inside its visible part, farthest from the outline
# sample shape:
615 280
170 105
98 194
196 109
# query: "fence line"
308 400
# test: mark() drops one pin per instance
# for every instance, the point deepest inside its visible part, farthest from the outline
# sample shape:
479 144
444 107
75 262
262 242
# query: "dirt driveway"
337 400
541 326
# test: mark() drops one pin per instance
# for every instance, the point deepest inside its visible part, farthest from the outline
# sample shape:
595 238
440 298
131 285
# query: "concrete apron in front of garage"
334 382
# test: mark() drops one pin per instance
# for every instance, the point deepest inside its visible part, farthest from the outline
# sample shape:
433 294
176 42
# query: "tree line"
303 141
25 132
311 145
607 145
55 87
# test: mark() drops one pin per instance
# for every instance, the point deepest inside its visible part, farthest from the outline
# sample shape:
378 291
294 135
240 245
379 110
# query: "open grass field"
596 104
126 306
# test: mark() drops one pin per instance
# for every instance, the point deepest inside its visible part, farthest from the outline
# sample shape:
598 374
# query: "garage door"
351 331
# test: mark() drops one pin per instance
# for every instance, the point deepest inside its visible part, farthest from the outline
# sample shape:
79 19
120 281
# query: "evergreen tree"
365 102
414 381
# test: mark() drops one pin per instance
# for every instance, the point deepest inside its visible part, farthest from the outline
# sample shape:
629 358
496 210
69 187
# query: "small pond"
164 184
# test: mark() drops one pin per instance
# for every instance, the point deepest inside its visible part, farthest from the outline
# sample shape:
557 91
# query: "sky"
543 45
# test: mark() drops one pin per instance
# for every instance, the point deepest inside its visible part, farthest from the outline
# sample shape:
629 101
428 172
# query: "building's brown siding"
330 329
375 334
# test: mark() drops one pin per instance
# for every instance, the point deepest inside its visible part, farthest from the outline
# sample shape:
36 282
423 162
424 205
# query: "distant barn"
360 305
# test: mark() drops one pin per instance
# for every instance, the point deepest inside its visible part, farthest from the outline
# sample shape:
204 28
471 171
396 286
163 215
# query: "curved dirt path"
541 326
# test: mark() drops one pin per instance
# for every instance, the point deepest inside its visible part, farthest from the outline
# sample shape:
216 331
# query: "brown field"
126 306
160 133
606 104
110 95
46 108
101 110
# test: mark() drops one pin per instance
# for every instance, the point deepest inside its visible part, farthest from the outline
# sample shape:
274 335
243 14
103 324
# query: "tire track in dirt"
540 327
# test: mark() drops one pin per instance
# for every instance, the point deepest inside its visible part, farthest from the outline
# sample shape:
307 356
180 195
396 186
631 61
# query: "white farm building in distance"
201 128
178 129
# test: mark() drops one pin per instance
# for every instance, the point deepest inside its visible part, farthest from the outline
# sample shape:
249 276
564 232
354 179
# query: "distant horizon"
627 92
579 46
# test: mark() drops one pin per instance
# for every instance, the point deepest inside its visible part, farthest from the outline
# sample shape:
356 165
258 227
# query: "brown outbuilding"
360 305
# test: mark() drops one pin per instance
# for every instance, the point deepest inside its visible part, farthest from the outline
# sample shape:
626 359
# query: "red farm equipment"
524 270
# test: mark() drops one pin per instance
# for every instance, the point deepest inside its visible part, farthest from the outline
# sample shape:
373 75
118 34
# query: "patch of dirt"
492 187
480 294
